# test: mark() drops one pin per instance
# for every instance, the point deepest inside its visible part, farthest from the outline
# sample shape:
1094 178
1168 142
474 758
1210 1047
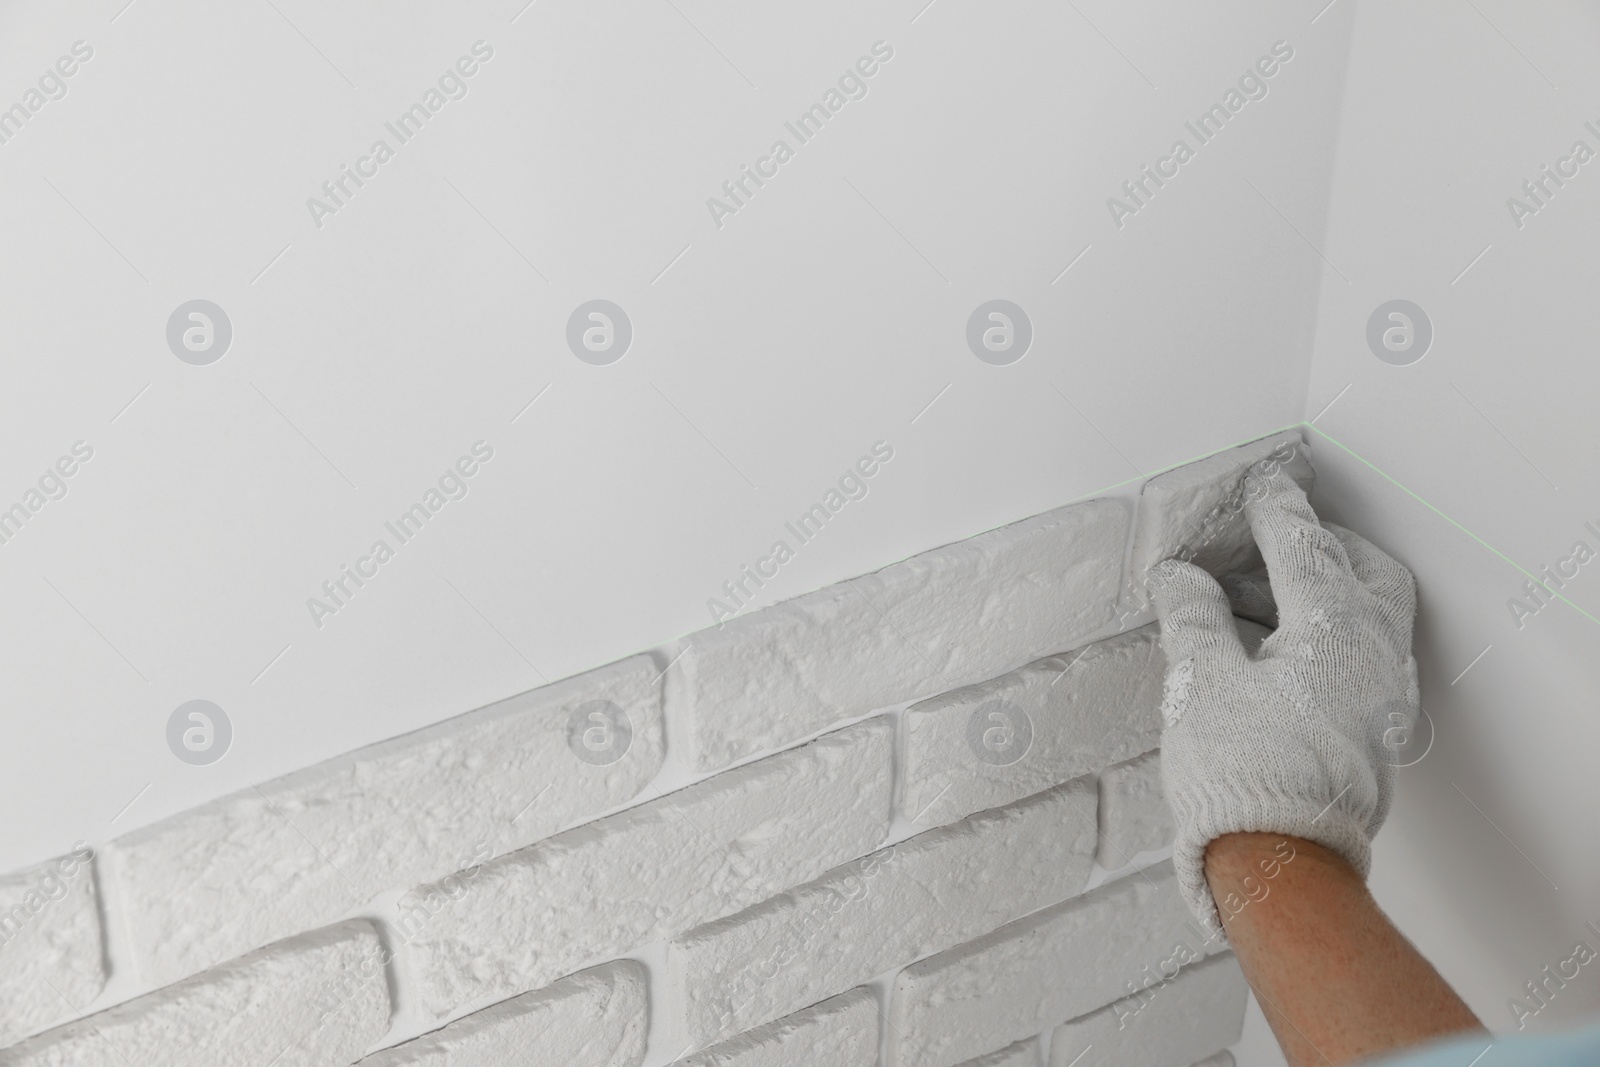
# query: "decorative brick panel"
498 870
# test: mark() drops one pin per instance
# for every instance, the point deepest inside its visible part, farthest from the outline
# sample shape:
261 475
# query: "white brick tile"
1086 710
1221 1059
658 869
1020 1054
868 916
50 943
938 620
841 1032
596 1018
1134 816
1171 1024
316 1000
1038 971
1197 509
210 883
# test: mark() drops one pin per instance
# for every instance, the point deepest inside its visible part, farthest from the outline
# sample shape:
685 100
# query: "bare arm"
1335 978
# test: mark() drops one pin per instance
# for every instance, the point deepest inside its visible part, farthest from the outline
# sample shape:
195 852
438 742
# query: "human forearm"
1335 978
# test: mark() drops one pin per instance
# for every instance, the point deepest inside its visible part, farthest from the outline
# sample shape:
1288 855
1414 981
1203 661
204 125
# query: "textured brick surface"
316 1000
50 945
596 1018
923 895
768 882
1038 971
219 880
1171 1024
1020 1054
658 869
1196 511
938 620
841 1032
1087 709
1134 816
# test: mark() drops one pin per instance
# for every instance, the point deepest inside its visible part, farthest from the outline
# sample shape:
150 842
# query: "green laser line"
1419 499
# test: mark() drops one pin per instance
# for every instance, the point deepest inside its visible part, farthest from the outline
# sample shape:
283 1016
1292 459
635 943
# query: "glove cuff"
1207 814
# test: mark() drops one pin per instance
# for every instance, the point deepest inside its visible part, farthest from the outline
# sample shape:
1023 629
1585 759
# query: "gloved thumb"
1193 611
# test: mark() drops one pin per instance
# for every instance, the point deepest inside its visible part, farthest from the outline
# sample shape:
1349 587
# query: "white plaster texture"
656 870
1020 1054
1086 709
316 1000
866 917
839 1032
1033 973
1134 816
1197 511
597 1018
942 619
300 851
1171 1024
51 955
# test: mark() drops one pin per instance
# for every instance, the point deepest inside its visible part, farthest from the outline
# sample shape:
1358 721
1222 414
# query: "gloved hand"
1289 739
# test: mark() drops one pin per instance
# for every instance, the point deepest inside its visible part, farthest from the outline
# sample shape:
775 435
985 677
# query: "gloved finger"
1390 582
1193 611
1307 564
1250 596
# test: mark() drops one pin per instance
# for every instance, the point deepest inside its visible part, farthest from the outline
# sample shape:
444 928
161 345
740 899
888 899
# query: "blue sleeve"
1580 1048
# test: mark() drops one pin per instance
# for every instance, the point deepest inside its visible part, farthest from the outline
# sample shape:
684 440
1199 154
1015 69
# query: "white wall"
822 318
817 321
806 328
1477 464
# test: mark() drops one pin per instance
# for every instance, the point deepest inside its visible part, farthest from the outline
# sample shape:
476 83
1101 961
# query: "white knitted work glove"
1289 739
